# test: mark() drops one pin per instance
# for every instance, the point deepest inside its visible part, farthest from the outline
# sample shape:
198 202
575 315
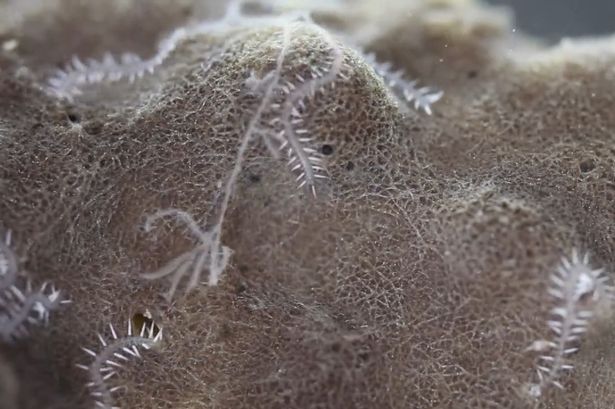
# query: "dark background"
554 19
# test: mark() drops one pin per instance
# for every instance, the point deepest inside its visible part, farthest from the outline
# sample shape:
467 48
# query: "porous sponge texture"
8 385
415 279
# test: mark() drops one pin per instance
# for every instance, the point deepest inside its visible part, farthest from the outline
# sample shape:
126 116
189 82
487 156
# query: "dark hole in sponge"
241 288
143 322
587 165
326 149
73 117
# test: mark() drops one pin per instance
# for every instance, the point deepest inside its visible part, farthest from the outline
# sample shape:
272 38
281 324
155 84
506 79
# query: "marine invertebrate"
351 300
576 287
302 159
113 351
283 132
283 94
207 253
20 308
20 305
67 83
421 97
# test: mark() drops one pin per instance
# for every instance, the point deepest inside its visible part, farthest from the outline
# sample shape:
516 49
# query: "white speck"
10 45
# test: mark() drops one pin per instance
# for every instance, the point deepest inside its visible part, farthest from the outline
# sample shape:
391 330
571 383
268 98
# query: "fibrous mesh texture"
414 279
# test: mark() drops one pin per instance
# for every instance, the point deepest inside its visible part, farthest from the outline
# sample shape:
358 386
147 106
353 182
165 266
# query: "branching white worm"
208 252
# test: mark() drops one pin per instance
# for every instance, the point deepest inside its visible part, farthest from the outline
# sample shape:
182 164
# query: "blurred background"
555 19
